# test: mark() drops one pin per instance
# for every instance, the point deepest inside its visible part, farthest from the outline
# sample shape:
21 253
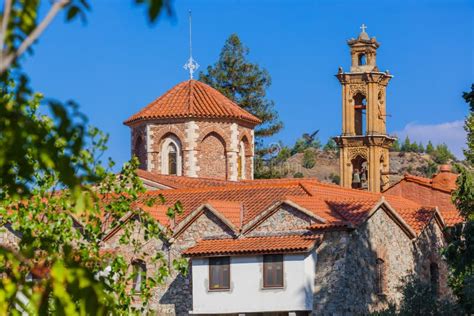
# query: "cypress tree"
245 83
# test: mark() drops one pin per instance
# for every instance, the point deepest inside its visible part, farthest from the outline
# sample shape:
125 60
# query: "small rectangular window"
273 271
219 273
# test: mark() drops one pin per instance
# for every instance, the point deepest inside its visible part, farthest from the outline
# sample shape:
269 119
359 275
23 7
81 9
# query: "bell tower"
364 143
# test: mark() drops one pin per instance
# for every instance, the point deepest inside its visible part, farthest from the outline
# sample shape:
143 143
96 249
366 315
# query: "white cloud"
450 133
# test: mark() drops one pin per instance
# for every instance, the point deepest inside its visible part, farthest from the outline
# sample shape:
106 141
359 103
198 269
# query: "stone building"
195 131
283 246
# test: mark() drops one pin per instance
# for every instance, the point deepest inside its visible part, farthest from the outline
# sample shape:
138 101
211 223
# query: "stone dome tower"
193 130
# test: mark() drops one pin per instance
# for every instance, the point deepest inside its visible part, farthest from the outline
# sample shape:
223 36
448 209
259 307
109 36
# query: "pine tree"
330 145
245 83
421 148
429 148
460 250
406 146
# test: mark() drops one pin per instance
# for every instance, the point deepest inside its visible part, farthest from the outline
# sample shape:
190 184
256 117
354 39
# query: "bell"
356 177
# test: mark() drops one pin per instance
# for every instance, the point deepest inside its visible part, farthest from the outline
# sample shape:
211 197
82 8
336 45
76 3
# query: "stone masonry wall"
174 297
202 156
283 220
351 286
427 251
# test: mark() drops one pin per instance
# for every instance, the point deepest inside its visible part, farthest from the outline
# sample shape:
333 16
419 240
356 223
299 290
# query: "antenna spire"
191 64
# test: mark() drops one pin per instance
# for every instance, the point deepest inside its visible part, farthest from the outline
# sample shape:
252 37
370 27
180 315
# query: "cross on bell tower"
364 143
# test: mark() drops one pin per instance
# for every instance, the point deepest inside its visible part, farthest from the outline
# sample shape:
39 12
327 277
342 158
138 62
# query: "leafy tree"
406 146
429 170
46 192
63 240
298 175
421 148
418 298
330 145
309 158
283 155
245 83
395 146
429 148
469 126
24 139
302 144
460 250
441 154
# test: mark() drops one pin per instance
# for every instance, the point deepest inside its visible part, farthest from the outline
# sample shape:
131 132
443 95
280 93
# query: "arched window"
360 179
362 60
360 104
380 276
139 275
139 151
434 277
171 156
241 161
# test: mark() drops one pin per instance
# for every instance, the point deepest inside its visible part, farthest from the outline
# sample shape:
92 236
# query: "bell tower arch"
364 142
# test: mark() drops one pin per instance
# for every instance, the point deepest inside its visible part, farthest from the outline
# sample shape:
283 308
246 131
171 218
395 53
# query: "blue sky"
117 63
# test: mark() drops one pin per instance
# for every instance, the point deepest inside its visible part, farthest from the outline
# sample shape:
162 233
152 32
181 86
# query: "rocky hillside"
326 167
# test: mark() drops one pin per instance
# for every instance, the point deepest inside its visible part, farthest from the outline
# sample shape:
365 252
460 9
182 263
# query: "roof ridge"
227 188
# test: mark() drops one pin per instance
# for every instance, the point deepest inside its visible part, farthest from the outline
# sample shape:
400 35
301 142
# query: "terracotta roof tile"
253 245
181 182
230 209
254 198
332 203
194 99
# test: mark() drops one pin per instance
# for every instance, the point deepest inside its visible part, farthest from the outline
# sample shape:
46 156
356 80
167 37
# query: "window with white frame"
171 156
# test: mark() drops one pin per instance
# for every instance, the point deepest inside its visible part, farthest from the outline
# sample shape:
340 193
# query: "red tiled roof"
434 192
252 245
181 182
329 202
254 198
445 180
194 99
231 210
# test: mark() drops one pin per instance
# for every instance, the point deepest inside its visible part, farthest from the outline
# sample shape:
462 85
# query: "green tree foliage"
442 154
47 167
429 148
469 126
395 146
298 175
429 170
330 145
64 239
245 83
460 250
302 144
420 299
309 158
29 143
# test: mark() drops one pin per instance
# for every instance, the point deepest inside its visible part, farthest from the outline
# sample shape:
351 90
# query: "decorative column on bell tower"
364 143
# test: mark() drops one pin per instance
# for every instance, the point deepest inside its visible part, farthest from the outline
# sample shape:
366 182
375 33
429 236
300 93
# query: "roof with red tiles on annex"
193 99
181 182
253 245
332 203
435 191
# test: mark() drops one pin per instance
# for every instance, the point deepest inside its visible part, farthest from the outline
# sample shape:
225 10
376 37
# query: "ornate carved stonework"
357 88
353 152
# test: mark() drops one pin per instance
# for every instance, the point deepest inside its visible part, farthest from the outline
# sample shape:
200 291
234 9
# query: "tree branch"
33 36
6 17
